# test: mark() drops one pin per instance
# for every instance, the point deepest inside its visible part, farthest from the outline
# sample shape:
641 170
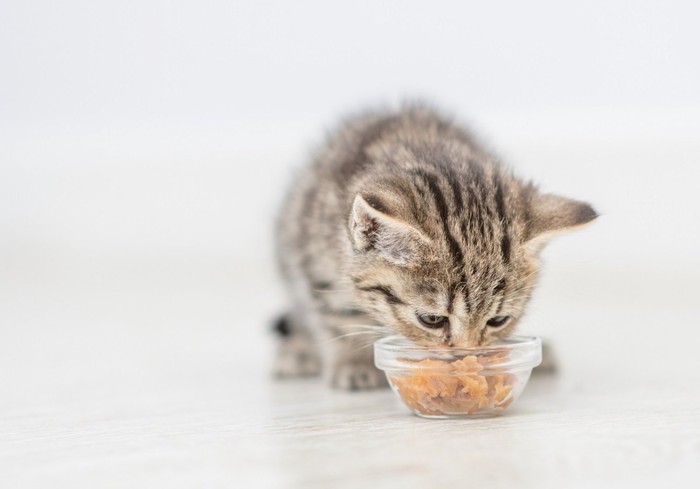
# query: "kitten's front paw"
296 357
357 376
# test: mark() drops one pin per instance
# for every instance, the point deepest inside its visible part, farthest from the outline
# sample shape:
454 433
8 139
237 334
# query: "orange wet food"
437 387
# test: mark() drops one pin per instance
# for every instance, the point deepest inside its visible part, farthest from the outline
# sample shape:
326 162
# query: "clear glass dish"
458 382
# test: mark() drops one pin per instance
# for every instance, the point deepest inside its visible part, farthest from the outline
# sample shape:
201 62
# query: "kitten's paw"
296 357
357 376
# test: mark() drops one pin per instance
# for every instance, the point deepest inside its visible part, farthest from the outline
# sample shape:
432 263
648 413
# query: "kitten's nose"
447 337
464 343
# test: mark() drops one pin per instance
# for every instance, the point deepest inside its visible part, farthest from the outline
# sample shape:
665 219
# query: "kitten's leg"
348 352
297 354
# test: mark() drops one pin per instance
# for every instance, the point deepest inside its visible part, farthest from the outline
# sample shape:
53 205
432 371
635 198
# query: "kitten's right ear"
553 214
374 229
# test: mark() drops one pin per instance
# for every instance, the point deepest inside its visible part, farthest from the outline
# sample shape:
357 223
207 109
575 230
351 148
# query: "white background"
145 145
175 124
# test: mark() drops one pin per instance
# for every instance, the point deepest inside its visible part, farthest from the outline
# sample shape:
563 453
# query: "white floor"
123 367
133 369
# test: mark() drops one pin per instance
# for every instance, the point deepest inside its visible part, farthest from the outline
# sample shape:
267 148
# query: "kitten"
405 224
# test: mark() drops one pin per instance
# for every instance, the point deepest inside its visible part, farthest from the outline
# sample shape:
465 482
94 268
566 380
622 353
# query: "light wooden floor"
139 370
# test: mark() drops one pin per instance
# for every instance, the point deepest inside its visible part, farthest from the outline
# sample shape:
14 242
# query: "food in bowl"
438 387
464 382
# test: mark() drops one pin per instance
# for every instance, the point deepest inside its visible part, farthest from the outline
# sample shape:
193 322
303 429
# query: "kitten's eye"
497 321
432 321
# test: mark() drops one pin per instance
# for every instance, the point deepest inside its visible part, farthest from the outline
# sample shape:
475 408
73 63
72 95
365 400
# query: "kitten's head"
452 263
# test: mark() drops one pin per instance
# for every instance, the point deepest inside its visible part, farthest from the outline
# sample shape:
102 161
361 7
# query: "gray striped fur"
404 213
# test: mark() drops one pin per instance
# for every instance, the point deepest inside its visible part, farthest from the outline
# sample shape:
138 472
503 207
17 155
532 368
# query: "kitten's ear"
374 229
552 214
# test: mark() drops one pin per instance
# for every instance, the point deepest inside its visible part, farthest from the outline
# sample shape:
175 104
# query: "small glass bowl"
458 382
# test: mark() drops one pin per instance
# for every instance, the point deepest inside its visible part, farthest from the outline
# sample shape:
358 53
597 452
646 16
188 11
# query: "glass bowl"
458 382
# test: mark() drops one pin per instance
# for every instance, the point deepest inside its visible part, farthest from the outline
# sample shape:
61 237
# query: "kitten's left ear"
372 228
552 214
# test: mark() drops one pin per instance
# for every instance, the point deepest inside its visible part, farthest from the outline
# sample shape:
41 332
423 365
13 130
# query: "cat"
404 224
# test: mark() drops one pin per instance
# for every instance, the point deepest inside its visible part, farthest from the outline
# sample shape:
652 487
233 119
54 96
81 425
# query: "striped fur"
404 213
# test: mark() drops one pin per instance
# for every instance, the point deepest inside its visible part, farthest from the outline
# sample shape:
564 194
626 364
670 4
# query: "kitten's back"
360 151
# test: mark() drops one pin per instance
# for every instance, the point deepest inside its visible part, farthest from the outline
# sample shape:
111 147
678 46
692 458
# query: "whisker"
346 335
363 347
523 279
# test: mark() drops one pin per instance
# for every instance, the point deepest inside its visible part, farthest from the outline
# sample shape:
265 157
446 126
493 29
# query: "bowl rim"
525 353
396 343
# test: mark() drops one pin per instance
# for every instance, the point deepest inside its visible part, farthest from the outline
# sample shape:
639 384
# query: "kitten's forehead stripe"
462 217
503 217
456 189
455 250
450 300
500 286
477 189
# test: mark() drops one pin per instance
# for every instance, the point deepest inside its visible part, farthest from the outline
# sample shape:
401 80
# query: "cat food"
458 382
437 387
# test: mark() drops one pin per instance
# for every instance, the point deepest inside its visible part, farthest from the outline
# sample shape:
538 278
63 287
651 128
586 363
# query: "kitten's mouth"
450 342
443 342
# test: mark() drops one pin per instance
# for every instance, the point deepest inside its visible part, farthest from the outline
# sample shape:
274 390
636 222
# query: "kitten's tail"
281 326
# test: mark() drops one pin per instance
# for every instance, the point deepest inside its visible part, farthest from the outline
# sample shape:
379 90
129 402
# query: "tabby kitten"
406 225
